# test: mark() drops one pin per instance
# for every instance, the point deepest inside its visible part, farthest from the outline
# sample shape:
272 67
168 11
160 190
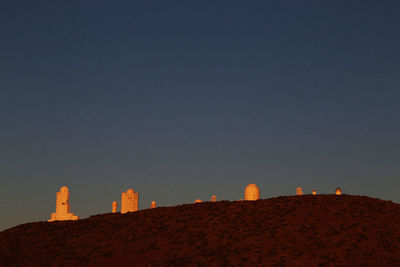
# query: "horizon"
181 101
303 193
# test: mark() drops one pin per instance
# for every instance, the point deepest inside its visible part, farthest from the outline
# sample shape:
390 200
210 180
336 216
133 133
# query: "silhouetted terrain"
322 230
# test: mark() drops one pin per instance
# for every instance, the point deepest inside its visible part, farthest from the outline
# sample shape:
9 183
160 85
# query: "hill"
322 230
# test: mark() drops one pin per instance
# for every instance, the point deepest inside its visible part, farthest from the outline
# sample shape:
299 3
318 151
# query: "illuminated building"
63 208
251 192
338 191
129 201
299 191
114 206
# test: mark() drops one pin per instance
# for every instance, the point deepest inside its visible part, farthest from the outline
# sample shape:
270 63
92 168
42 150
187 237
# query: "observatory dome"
338 191
64 189
251 192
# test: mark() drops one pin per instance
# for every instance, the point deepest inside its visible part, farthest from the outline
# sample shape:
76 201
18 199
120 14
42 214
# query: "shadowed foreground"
322 230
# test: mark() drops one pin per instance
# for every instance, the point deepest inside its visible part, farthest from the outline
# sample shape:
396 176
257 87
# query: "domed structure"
64 189
251 192
338 191
197 201
299 191
213 198
152 205
314 192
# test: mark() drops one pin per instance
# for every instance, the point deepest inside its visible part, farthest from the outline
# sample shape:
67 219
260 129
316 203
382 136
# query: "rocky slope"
322 230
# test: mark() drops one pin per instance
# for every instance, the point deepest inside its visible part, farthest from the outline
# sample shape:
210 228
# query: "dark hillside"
322 230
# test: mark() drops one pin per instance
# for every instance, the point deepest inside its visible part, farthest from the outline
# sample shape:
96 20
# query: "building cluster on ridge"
130 201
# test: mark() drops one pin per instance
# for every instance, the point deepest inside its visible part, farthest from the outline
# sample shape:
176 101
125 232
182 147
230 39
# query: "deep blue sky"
184 99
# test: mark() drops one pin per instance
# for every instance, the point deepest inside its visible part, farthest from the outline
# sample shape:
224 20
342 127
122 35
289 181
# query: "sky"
182 100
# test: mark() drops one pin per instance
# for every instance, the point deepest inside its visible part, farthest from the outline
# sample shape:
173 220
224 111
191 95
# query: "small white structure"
299 191
338 191
314 192
251 192
114 207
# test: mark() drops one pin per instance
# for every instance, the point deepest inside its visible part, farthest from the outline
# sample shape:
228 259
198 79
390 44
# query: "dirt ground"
321 230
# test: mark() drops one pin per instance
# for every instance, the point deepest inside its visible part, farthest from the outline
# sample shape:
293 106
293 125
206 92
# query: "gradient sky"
184 99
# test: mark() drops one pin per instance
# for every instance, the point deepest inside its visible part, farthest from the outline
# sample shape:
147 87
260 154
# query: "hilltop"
321 230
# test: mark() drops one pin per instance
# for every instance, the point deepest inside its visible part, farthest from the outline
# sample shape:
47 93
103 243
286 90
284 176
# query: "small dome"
213 198
197 201
130 191
314 192
299 191
338 191
64 189
251 192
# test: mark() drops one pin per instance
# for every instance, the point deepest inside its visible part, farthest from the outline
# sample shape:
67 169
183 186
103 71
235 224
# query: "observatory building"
299 191
129 201
213 198
63 208
338 191
114 207
251 192
152 205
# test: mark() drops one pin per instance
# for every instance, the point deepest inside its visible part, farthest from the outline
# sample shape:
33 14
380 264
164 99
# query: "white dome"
338 191
64 189
251 192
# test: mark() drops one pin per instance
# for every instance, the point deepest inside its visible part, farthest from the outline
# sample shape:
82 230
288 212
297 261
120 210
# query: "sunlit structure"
314 192
338 191
129 201
251 192
63 208
299 191
114 206
213 198
197 201
152 205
